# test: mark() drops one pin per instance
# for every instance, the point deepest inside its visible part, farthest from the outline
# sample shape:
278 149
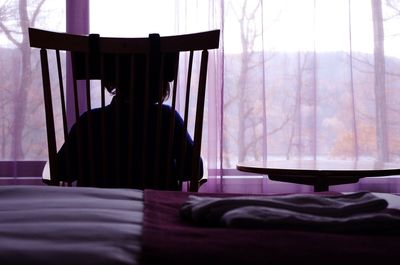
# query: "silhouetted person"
124 139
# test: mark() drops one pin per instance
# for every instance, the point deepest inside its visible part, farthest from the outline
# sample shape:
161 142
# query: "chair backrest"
137 140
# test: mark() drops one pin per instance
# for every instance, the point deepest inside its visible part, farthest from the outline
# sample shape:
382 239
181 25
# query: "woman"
137 128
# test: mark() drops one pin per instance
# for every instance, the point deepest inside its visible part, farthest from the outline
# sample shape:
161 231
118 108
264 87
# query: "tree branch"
37 10
8 34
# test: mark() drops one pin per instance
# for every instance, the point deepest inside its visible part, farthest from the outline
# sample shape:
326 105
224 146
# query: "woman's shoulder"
95 115
167 109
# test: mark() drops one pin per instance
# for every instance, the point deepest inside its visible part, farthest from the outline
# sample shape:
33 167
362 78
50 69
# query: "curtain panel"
312 79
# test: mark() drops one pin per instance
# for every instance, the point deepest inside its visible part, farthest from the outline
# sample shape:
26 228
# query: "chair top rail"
80 43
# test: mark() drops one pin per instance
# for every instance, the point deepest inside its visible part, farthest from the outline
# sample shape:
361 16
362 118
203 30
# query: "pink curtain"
310 79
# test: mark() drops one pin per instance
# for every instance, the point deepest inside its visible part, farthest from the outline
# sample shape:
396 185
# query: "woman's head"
121 73
125 72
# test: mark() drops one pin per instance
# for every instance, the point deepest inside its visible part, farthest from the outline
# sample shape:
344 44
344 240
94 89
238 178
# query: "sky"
288 25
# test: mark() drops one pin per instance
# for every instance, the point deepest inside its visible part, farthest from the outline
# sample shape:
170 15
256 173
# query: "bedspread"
60 225
169 240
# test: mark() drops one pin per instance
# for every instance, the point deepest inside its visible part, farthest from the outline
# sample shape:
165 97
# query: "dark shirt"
80 156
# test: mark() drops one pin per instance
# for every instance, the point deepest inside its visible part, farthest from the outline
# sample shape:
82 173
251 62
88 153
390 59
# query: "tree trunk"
352 94
299 92
20 95
242 93
380 95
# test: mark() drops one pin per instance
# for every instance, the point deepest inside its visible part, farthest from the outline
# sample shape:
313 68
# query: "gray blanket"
349 212
61 225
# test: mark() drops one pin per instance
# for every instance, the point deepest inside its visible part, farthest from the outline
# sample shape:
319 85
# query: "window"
22 127
309 78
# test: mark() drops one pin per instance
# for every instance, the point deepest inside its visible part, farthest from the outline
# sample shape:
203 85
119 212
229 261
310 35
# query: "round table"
320 173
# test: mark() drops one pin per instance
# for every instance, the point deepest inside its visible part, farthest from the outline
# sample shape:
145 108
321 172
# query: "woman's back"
124 149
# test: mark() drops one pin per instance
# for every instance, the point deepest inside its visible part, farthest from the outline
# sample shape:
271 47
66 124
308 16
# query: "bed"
59 225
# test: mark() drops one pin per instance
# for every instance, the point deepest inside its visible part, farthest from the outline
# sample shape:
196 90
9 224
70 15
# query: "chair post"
51 138
194 182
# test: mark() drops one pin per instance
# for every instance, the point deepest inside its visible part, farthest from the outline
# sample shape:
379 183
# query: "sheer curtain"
311 79
315 79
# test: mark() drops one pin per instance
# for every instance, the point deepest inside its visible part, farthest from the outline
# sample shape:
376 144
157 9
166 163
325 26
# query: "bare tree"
246 14
353 105
297 124
247 36
16 30
379 87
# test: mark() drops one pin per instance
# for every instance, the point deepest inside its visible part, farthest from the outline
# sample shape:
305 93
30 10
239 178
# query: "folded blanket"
303 210
265 217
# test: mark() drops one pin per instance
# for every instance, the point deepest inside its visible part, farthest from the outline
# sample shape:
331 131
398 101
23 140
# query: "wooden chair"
136 141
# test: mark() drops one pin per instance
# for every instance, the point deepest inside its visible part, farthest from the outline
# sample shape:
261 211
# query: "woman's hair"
124 72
